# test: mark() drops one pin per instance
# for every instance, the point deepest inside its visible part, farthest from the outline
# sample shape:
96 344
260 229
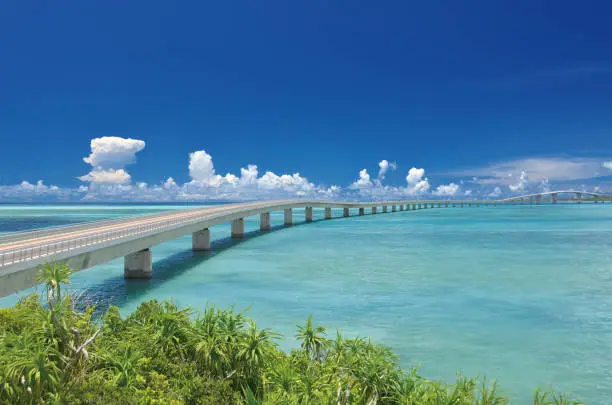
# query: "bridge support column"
553 196
445 204
373 210
200 240
439 205
461 204
238 228
138 264
308 212
579 198
345 212
361 211
401 207
393 208
538 198
469 204
328 213
384 208
264 222
288 217
454 204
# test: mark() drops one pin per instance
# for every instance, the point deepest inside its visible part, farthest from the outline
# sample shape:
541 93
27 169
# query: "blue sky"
482 89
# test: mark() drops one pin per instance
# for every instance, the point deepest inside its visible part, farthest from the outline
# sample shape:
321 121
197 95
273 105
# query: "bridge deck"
85 245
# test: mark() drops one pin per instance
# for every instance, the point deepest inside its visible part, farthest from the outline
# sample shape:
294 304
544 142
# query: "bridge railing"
48 249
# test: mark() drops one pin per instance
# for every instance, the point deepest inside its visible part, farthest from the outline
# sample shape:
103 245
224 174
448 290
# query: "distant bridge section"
86 245
553 196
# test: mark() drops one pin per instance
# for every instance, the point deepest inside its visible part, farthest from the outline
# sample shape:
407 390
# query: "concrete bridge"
89 244
553 196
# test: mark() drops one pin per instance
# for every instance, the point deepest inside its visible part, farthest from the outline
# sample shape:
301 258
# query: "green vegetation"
52 353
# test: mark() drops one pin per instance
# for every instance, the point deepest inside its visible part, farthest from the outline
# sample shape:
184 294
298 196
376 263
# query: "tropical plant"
55 353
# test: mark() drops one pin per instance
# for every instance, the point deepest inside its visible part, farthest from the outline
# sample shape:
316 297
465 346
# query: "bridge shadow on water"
118 291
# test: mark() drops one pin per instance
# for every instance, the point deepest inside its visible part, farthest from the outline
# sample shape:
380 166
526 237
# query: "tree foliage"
53 353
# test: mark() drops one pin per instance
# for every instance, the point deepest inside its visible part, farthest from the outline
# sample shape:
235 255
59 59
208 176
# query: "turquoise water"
519 293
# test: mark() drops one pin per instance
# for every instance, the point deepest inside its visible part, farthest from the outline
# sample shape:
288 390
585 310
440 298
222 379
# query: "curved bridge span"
86 245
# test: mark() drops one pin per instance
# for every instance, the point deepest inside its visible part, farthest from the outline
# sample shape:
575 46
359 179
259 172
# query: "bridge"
89 244
573 195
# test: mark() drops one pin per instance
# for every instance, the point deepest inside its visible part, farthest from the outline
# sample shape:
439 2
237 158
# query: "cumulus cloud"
521 185
496 192
417 183
544 186
385 166
363 181
108 158
32 191
607 165
107 177
446 189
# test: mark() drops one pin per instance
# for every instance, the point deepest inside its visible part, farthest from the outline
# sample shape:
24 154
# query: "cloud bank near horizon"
109 180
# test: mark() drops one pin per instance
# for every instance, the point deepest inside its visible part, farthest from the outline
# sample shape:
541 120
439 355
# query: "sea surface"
521 294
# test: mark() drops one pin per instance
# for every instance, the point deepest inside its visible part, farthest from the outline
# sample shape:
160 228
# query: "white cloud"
363 181
496 192
113 152
170 184
416 183
544 186
446 189
108 158
522 184
607 165
32 191
556 169
385 166
110 176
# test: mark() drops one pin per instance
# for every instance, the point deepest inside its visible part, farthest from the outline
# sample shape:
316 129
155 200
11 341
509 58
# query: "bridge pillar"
425 205
538 199
288 217
553 196
238 228
308 212
446 204
373 210
393 208
138 264
401 207
328 213
439 204
361 211
469 203
384 208
579 197
454 204
345 212
264 221
461 204
200 240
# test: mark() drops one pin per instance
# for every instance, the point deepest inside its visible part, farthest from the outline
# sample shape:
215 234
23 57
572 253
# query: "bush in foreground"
52 353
